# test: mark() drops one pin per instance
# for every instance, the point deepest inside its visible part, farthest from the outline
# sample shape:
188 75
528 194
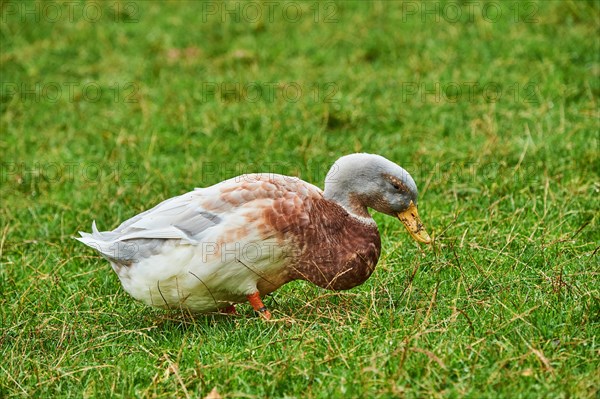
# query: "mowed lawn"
109 108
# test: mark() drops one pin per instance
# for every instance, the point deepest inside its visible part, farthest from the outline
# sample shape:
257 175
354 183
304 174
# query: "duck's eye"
395 186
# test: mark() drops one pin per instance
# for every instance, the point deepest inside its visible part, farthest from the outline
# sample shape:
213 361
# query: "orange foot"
258 305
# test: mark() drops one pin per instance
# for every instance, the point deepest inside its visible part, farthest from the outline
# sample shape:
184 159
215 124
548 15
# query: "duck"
243 238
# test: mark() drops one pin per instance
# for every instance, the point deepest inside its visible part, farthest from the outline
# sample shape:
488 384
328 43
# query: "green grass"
156 99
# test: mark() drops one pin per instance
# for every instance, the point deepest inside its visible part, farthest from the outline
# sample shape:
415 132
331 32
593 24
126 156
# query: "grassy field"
109 108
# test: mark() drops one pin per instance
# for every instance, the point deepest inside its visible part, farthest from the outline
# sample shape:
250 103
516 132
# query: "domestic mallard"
247 236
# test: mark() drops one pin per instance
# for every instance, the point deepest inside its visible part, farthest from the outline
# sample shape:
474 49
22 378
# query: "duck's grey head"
361 181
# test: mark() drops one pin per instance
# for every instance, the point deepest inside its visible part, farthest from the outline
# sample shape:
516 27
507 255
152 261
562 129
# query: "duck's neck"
349 200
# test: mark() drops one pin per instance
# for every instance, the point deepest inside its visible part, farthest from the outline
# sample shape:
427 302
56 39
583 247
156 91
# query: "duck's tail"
104 243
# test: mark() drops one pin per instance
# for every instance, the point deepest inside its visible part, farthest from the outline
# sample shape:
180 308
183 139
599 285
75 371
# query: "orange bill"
412 222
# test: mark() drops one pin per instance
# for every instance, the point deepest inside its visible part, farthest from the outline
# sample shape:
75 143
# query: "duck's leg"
258 305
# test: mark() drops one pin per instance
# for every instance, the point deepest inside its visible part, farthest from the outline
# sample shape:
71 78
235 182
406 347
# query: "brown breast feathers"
325 245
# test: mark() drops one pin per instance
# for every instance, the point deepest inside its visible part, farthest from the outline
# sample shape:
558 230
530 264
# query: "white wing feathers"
177 218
